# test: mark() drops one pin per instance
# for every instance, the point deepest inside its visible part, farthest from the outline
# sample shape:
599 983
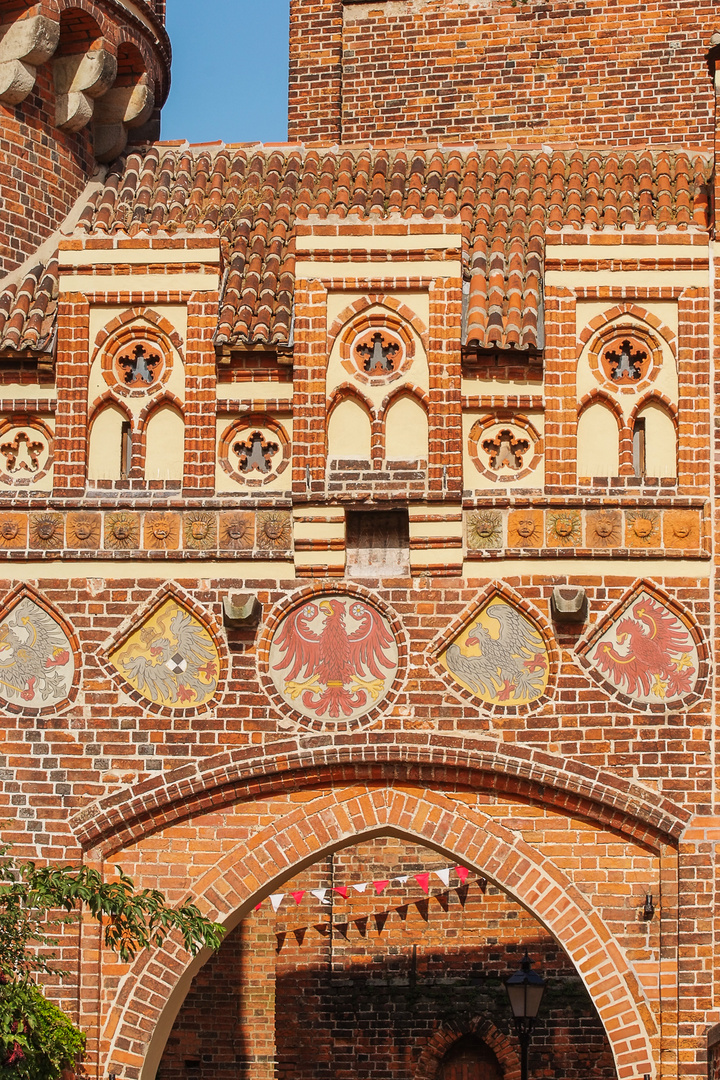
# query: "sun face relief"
333 658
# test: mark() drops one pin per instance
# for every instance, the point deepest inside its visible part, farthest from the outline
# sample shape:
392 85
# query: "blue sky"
229 73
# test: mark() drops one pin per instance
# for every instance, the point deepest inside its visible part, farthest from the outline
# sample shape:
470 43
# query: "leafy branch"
37 1040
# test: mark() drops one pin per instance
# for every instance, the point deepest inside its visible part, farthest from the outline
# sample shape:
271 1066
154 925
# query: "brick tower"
358 536
78 78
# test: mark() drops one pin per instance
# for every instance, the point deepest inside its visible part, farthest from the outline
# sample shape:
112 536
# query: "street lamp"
525 990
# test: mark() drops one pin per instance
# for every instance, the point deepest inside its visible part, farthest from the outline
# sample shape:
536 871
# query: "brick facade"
593 75
361 503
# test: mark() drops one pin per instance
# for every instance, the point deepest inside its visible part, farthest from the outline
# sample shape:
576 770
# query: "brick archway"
444 1039
256 867
607 799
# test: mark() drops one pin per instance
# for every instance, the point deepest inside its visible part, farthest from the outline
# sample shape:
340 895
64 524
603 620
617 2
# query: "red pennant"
342 889
380 886
257 906
423 881
462 872
297 896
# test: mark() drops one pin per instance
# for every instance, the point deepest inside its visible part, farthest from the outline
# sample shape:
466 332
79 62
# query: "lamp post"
525 990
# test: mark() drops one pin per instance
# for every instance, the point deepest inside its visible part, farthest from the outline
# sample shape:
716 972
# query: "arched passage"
151 992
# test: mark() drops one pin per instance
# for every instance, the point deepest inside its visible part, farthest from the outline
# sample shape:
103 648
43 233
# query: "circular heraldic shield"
333 658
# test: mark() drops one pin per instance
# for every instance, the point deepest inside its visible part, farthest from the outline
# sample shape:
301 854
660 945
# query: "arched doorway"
469 1059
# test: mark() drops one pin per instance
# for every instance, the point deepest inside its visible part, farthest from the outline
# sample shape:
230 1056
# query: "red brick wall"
42 171
371 996
598 74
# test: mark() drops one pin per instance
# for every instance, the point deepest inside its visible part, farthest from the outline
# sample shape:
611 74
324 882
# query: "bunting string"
364 924
324 896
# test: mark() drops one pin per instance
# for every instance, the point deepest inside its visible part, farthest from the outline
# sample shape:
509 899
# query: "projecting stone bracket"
569 603
122 108
24 45
79 79
241 611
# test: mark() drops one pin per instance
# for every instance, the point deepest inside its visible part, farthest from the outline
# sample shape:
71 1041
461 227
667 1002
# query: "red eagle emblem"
659 657
332 671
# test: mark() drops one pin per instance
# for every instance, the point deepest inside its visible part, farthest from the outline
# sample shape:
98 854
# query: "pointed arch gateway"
148 997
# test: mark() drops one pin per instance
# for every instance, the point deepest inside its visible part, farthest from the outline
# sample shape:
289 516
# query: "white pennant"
320 894
362 887
276 899
444 875
402 880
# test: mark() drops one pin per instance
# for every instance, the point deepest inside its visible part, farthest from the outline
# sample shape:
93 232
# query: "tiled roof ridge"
506 198
396 147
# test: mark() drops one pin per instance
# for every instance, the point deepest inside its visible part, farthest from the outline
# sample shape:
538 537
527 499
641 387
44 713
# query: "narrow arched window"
654 442
349 432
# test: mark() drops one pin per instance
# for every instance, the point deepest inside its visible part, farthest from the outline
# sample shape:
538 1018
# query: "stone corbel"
24 45
122 108
79 79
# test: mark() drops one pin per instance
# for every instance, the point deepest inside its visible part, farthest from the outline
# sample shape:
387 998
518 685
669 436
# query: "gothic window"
349 432
406 430
505 448
164 444
139 366
654 442
598 442
253 451
626 361
26 452
378 354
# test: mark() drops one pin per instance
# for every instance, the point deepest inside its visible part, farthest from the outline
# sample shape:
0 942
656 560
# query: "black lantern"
525 991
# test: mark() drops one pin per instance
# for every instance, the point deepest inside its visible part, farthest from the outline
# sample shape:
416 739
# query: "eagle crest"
171 660
333 659
36 658
501 657
648 654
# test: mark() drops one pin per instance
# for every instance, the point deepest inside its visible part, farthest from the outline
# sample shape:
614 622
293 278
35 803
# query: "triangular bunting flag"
342 928
322 928
361 887
444 875
342 889
380 886
320 894
258 906
297 896
402 880
423 881
276 899
280 941
462 872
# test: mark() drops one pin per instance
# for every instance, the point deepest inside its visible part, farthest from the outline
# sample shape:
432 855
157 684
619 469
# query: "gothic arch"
397 310
607 799
444 1039
250 871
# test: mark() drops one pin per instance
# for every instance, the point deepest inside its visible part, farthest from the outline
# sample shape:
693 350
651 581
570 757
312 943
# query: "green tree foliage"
37 1040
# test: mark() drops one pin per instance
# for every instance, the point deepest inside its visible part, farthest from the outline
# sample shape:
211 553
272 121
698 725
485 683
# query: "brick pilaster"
200 392
73 364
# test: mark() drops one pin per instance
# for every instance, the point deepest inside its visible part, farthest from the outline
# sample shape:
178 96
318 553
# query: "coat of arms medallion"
334 658
500 657
648 654
171 660
37 660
